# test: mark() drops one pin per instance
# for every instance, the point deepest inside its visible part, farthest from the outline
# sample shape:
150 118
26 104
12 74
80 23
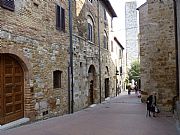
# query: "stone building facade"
34 57
87 68
117 52
158 51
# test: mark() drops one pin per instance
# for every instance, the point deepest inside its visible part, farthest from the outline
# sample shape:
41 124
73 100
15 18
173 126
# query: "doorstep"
14 123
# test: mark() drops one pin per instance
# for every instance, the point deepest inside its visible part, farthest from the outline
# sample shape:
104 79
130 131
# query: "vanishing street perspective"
89 67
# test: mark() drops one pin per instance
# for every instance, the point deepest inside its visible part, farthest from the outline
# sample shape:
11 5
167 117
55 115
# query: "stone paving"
123 115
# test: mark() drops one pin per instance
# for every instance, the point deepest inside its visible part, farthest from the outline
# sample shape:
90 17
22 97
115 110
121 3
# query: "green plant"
134 71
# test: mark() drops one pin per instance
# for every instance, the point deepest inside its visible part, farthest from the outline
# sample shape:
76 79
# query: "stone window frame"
57 79
8 4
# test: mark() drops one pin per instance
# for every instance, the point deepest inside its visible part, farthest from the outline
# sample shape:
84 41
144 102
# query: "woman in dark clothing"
151 103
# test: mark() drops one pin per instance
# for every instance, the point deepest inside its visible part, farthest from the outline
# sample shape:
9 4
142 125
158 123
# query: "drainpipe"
99 45
71 57
176 45
69 90
116 79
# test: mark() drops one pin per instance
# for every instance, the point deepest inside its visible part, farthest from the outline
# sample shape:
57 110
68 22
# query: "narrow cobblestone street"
123 115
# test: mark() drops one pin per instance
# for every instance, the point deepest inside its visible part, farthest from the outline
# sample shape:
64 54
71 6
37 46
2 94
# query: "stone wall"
158 58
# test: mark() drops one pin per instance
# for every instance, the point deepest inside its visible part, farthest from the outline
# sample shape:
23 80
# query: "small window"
57 79
8 4
111 46
60 18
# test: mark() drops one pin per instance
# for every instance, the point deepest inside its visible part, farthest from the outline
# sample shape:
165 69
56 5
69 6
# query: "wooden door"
106 87
12 87
91 97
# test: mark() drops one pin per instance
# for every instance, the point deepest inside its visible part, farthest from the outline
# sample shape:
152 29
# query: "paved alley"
123 115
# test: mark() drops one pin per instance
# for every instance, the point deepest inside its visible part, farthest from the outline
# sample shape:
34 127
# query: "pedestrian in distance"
129 90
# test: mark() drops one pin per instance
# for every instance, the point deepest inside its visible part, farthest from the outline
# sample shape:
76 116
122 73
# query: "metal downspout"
176 47
71 57
99 45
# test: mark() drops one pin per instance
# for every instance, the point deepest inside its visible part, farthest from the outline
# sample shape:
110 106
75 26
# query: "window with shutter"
60 18
7 4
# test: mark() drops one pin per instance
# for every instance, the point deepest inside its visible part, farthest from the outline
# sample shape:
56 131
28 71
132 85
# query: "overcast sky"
119 22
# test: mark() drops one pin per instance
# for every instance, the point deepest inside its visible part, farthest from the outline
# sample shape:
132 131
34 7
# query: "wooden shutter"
62 19
8 4
57 17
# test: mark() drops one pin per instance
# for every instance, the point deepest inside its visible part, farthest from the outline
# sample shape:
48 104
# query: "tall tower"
131 27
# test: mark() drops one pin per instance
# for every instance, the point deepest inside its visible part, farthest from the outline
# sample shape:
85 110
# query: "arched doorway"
11 89
91 78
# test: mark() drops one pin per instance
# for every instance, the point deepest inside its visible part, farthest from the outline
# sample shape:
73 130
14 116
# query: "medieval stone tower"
131 32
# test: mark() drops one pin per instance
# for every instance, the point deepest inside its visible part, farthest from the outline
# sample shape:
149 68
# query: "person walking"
151 104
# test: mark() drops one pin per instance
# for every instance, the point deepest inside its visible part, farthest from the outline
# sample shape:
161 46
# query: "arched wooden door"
11 89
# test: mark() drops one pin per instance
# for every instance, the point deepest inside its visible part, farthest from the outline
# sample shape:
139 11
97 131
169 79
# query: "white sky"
119 22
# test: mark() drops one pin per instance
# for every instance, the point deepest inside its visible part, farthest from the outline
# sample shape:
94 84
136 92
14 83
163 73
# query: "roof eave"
109 7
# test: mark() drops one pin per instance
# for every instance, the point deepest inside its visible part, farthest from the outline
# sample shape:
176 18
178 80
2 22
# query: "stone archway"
92 85
14 84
